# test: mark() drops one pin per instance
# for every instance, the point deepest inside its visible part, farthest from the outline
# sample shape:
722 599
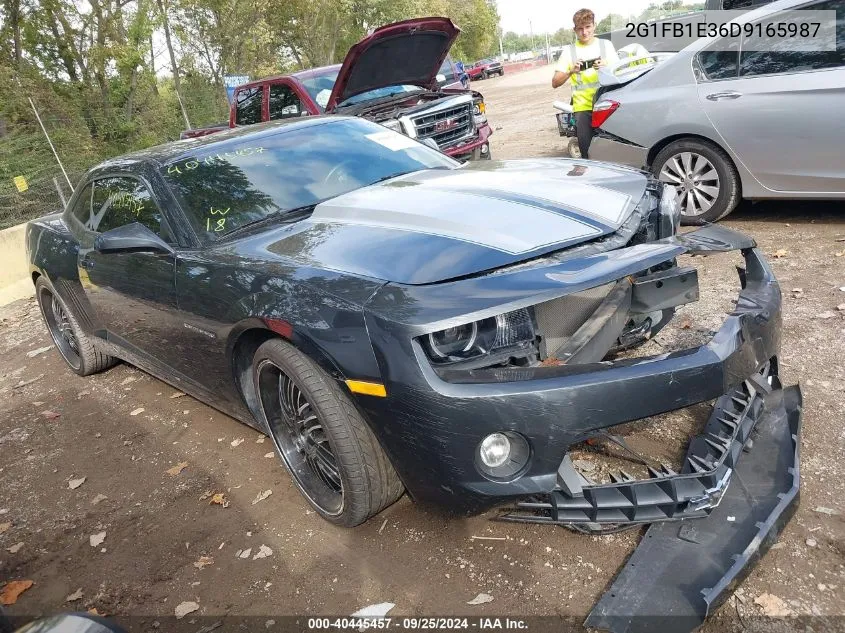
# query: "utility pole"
531 30
43 129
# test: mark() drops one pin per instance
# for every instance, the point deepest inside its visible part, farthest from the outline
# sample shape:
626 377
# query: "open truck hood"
434 225
403 53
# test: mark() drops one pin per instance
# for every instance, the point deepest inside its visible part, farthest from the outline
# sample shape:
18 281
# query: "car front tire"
333 457
704 177
76 348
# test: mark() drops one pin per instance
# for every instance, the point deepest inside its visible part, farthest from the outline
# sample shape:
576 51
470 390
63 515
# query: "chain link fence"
31 182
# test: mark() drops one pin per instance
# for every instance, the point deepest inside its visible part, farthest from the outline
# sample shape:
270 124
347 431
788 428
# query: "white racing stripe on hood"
505 225
603 204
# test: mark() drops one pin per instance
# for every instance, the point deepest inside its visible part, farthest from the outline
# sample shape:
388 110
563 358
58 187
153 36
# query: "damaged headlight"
480 338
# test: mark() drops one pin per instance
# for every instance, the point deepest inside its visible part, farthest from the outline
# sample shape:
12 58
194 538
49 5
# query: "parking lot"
152 461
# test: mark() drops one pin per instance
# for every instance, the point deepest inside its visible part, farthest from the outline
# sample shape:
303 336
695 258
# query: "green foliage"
101 76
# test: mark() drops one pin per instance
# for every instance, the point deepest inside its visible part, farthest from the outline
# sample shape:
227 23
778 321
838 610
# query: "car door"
778 109
132 294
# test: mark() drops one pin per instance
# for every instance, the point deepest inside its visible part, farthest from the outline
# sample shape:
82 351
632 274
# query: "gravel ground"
137 538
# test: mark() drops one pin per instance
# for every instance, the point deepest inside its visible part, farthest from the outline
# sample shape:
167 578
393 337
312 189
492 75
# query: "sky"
547 16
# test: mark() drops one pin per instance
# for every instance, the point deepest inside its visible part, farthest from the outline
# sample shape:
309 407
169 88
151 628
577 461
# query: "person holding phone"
578 64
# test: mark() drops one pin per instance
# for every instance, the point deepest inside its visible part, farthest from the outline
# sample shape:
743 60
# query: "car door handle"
718 96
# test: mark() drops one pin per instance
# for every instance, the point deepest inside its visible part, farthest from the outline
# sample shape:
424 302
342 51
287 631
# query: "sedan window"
780 56
227 185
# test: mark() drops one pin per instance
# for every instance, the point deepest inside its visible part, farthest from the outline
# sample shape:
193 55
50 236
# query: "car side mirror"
131 237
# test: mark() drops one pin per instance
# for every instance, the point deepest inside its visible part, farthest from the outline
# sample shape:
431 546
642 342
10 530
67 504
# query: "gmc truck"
412 97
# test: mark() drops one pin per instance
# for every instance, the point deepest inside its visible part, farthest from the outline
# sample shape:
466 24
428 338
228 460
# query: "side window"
120 201
82 209
721 63
248 106
284 103
780 56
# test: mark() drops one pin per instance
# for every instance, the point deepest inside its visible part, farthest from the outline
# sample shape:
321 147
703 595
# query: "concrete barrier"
15 282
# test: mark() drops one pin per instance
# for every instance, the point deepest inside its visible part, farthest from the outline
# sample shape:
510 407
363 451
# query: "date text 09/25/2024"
416 623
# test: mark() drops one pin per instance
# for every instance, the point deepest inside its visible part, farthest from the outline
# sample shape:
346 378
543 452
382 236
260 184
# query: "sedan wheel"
703 176
331 453
695 180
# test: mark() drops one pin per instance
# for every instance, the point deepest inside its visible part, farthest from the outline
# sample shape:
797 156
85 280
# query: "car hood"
404 53
435 225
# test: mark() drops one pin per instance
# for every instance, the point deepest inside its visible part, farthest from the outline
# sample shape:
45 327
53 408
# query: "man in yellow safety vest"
579 64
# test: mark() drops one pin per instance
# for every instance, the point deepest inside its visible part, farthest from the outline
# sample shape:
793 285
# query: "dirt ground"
160 541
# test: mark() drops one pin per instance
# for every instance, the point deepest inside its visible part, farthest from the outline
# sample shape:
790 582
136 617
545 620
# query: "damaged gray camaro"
464 327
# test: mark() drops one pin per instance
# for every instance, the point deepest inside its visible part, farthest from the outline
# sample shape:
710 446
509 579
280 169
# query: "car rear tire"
333 457
704 177
77 349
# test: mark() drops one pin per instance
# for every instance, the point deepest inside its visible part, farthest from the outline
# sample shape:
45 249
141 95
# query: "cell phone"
588 63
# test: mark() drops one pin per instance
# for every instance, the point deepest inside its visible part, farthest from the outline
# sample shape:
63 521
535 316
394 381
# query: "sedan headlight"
477 339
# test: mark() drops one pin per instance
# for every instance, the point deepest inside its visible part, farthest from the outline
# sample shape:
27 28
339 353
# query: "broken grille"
710 460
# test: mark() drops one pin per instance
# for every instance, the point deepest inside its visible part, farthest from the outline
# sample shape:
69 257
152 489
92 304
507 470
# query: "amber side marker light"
367 388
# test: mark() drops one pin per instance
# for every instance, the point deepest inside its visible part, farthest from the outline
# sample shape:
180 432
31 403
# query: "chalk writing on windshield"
213 159
216 224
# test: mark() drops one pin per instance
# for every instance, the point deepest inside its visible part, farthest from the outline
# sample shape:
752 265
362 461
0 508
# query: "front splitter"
681 571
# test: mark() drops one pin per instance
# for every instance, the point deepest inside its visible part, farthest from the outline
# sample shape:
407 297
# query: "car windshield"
320 88
225 186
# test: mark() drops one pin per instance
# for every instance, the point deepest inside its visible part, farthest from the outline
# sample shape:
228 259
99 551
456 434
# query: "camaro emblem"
445 124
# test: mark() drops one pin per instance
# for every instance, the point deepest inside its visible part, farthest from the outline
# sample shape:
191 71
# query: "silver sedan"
723 123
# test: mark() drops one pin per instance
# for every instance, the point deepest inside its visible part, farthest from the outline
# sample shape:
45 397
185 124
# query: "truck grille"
445 126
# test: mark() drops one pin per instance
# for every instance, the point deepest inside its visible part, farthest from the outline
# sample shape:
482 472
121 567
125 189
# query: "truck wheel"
76 348
484 74
573 149
703 176
331 453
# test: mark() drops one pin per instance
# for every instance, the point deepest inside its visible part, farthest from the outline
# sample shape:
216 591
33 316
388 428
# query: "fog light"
494 450
484 148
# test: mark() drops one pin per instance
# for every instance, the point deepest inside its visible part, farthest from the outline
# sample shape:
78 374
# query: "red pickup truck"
485 68
393 77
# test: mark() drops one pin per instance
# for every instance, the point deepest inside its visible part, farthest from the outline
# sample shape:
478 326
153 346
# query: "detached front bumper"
431 424
739 482
680 572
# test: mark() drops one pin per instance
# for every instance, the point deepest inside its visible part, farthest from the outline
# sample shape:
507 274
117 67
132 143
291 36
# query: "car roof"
161 155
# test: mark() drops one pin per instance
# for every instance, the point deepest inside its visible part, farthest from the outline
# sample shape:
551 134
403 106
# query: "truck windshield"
320 88
224 186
